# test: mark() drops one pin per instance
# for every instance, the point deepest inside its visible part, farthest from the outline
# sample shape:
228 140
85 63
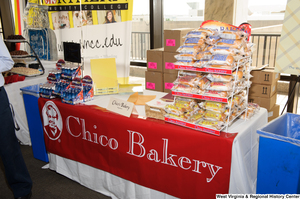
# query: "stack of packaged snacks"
206 48
65 82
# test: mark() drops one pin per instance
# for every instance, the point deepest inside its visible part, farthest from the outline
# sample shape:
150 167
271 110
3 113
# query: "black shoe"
28 196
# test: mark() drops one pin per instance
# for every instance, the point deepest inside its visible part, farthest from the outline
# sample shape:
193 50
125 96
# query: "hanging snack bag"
220 86
221 60
201 63
224 50
219 77
212 40
238 34
233 43
185 62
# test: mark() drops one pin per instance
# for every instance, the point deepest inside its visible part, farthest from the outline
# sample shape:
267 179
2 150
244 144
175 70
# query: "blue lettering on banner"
107 43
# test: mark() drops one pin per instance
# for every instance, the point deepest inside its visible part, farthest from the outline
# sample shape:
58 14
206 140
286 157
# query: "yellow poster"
288 59
102 27
77 13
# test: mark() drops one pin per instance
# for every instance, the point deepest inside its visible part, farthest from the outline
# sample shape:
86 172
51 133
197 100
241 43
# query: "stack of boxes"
263 91
160 73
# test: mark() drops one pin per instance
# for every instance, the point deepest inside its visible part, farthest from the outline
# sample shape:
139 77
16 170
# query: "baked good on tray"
15 37
25 71
18 53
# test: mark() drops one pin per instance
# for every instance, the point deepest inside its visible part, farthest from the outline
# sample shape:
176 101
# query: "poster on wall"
288 60
102 27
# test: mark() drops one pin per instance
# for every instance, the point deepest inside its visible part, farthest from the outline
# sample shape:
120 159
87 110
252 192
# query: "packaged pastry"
208 47
222 94
243 105
238 34
218 66
200 91
238 75
203 83
194 41
178 117
185 88
188 49
196 115
219 59
224 50
203 55
212 40
196 33
190 73
208 31
214 116
217 125
219 77
185 103
238 99
220 86
185 56
171 109
185 62
201 63
233 43
252 108
213 106
191 80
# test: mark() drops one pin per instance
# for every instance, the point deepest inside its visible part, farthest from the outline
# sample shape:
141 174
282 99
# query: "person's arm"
6 62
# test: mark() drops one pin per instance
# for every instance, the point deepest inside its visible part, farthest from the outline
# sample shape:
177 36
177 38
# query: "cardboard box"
262 90
265 76
154 81
169 78
174 38
267 103
168 62
155 60
273 113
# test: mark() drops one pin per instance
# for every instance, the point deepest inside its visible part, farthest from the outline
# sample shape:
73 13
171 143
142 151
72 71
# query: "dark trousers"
16 171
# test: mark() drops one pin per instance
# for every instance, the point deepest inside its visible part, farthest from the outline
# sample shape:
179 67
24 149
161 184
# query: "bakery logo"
50 1
52 120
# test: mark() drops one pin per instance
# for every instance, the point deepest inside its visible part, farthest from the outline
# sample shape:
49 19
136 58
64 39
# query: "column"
232 12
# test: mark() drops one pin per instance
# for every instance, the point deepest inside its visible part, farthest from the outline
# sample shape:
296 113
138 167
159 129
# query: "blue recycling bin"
278 170
30 97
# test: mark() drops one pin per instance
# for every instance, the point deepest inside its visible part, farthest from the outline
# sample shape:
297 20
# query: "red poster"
175 160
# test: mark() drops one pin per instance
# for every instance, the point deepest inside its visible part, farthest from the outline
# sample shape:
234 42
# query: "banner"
288 60
175 160
102 27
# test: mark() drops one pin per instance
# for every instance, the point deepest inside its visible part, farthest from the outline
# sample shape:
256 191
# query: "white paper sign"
120 106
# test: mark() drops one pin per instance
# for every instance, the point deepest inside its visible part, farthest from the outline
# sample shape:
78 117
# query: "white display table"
243 164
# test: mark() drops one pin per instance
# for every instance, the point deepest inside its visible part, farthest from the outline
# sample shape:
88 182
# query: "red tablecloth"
175 160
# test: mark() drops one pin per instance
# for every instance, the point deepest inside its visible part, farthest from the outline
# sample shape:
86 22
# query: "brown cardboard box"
267 103
169 78
168 62
155 60
273 113
265 76
154 81
174 38
263 90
